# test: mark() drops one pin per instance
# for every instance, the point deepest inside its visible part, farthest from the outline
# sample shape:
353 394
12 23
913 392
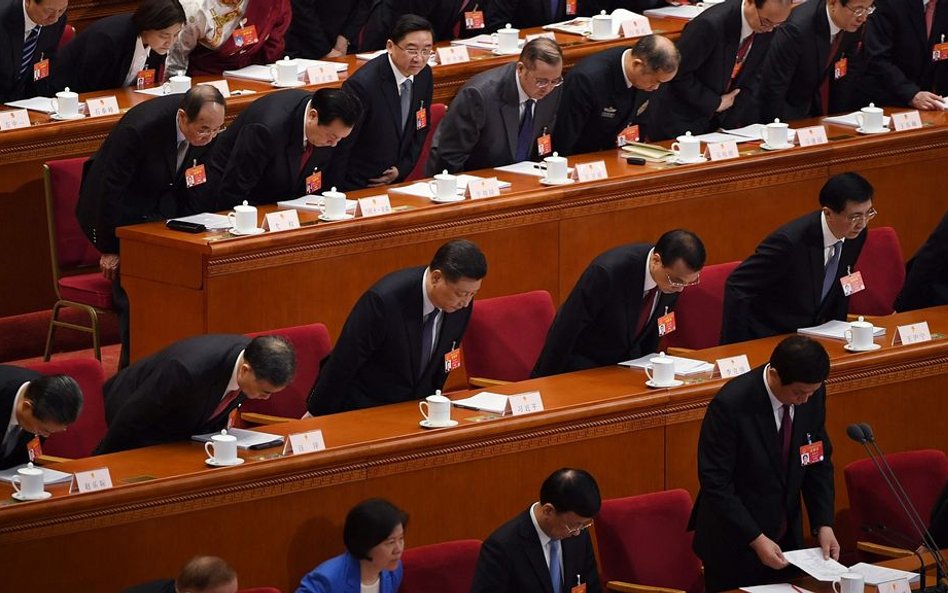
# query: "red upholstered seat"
82 436
91 289
644 540
505 335
700 309
437 113
68 33
260 590
446 568
883 271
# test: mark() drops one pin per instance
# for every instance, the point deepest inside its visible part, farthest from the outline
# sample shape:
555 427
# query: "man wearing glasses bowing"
395 90
497 117
614 311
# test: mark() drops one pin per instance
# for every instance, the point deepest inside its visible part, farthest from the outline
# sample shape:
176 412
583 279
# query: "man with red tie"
191 387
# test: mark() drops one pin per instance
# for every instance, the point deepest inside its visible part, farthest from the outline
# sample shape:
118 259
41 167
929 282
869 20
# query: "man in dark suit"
202 574
395 90
900 40
33 406
277 143
793 278
546 547
31 32
611 314
497 116
609 91
763 442
321 29
806 70
137 175
401 338
191 387
523 14
926 277
446 18
722 51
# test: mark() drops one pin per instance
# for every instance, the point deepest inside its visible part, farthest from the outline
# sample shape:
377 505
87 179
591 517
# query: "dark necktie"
11 439
427 339
228 399
29 48
832 266
179 156
525 136
742 51
406 101
930 16
828 72
307 153
647 301
784 435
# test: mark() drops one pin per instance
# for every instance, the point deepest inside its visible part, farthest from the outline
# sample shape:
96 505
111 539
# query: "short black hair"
657 56
55 398
845 187
798 359
679 244
369 523
458 259
198 96
333 104
272 359
155 15
409 23
543 49
204 572
569 489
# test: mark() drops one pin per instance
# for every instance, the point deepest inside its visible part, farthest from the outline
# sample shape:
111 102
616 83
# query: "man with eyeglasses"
612 313
138 175
793 278
546 547
401 338
806 73
722 51
497 116
31 32
395 89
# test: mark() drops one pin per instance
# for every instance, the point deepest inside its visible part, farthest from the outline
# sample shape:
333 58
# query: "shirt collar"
521 94
649 281
232 384
775 403
829 239
745 26
305 113
28 24
544 538
625 77
426 305
833 28
20 394
399 77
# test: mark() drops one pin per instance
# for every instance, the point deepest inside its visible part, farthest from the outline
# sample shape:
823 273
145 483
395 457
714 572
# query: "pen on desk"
634 160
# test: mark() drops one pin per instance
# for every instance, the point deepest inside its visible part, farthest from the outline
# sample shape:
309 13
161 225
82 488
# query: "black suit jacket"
777 290
595 325
258 157
523 14
708 47
11 379
161 586
317 23
512 561
744 489
132 177
99 57
380 139
796 66
375 360
926 279
170 395
12 86
442 14
900 54
939 519
597 105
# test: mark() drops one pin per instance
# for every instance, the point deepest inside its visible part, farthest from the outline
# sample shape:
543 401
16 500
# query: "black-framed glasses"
860 218
861 11
415 53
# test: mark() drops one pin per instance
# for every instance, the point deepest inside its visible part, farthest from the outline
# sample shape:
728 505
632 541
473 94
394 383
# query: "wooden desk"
24 247
276 518
535 237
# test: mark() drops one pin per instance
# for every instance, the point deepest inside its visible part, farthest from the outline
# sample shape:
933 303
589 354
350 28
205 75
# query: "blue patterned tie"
832 266
29 48
556 570
525 136
554 8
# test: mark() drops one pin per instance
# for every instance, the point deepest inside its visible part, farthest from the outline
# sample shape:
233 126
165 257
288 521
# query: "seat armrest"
484 382
881 550
255 418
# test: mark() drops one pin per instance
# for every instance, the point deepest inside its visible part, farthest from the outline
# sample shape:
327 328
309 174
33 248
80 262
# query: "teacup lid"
602 13
445 172
870 104
861 319
245 203
29 465
776 120
688 134
661 355
508 26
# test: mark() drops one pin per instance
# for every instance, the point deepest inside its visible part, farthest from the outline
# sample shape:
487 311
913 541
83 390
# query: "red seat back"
505 335
70 246
883 271
437 113
700 309
312 344
82 436
446 568
260 590
645 540
68 33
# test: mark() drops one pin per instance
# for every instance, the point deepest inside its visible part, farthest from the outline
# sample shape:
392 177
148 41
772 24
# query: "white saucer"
567 181
606 38
292 85
448 424
256 231
675 383
447 200
215 463
766 146
325 218
849 347
43 496
879 131
679 161
58 117
497 52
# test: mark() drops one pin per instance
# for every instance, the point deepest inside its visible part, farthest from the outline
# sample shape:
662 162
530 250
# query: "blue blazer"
341 575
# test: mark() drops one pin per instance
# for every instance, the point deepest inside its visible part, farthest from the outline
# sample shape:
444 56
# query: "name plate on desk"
896 586
321 74
591 171
281 220
912 334
636 27
483 188
732 366
906 120
90 481
812 136
101 106
722 151
306 442
375 205
454 54
14 119
525 403
220 85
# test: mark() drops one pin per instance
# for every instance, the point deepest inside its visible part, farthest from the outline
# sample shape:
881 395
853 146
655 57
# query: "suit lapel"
390 94
171 156
814 248
917 17
413 322
15 28
510 109
821 26
732 40
767 425
531 545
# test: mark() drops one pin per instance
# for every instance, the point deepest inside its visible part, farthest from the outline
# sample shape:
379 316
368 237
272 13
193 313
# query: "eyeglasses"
861 218
861 12
767 23
415 53
542 83
205 131
578 529
679 283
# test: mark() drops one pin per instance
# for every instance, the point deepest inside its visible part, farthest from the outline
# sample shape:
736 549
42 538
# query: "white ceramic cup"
508 40
334 204
178 84
602 25
687 148
775 134
859 335
436 409
662 370
243 218
444 186
556 168
284 72
222 448
849 582
28 481
870 118
65 103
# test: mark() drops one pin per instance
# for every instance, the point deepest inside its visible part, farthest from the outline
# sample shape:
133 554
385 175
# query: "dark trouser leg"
120 302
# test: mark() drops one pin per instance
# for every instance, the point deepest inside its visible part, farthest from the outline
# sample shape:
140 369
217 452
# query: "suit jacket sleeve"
460 130
819 491
92 64
576 109
245 167
186 42
492 574
880 36
778 71
307 36
497 13
117 187
742 287
693 45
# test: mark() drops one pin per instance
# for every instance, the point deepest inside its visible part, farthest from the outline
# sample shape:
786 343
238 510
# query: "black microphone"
855 432
886 534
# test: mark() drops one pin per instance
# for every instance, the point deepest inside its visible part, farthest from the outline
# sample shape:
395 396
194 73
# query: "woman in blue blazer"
374 535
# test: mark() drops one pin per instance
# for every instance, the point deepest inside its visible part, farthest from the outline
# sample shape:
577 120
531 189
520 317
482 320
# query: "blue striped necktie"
29 48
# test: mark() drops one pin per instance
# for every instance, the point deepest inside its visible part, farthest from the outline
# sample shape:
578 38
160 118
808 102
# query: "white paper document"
685 11
483 41
810 561
262 73
879 574
158 91
776 588
754 132
313 203
528 168
850 120
423 189
834 329
484 401
41 104
683 366
209 220
583 25
50 476
246 439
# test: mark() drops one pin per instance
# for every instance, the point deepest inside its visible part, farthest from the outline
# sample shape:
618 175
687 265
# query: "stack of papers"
313 203
875 575
811 562
246 439
845 120
210 221
835 330
751 133
262 73
652 153
528 168
423 189
41 104
483 41
432 61
685 12
583 25
484 401
50 476
683 366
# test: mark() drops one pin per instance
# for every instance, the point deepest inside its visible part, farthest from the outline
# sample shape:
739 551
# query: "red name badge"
452 360
40 70
474 19
627 135
195 175
34 449
736 70
852 283
571 7
580 588
314 182
245 36
145 79
421 118
940 52
811 453
544 145
666 324
839 68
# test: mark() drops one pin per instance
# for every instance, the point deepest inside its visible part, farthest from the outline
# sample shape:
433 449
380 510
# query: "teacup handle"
859 119
54 104
14 481
648 373
763 134
676 147
274 74
423 408
433 187
848 334
835 588
209 449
